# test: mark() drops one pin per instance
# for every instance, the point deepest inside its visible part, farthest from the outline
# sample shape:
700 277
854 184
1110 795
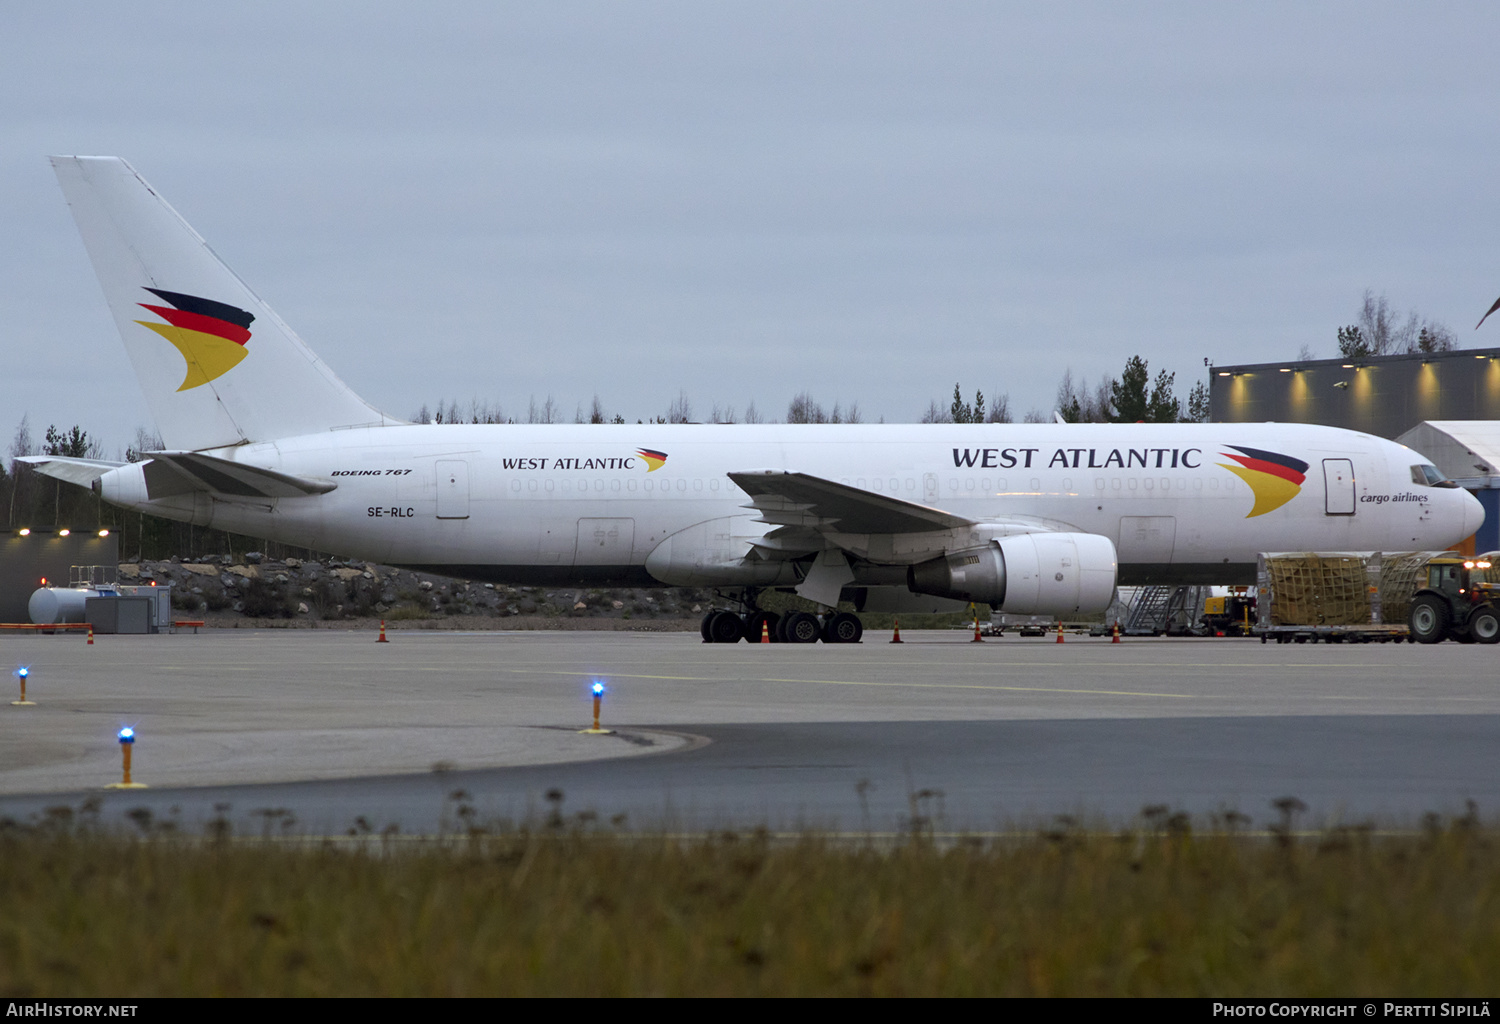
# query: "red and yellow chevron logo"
210 335
1274 479
654 459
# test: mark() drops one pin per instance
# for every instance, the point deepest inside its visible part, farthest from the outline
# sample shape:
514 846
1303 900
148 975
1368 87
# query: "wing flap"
801 499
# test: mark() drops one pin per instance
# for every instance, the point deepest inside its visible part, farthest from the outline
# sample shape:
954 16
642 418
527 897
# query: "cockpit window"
1430 476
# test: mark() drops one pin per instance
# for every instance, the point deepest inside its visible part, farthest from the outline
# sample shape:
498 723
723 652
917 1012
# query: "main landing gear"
727 627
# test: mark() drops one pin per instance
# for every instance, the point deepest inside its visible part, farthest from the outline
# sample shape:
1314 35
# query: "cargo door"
452 489
1147 540
1338 485
605 541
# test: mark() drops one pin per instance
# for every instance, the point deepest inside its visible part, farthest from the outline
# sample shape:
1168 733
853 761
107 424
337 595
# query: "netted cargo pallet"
1321 589
1402 575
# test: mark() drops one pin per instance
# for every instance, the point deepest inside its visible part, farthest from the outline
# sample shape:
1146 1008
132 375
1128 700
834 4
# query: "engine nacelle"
124 486
1029 574
152 488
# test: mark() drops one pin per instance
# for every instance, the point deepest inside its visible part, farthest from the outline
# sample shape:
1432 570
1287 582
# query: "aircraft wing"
82 472
800 499
170 473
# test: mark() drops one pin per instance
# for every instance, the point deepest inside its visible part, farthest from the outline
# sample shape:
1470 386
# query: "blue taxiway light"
23 671
598 689
127 735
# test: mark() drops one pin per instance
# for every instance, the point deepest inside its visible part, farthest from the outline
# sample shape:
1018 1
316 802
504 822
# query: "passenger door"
1338 485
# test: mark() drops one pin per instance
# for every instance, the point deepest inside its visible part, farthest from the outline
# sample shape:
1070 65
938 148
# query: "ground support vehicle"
1456 604
1230 615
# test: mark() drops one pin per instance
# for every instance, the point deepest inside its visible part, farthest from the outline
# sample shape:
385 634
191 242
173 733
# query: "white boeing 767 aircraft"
263 439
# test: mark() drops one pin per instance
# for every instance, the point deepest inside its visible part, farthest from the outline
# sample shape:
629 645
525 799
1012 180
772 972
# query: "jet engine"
1029 573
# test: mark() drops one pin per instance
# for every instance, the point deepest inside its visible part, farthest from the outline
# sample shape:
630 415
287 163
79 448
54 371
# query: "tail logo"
1274 479
654 459
210 335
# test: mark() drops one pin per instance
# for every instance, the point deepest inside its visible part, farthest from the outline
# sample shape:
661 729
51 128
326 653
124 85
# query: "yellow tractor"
1455 603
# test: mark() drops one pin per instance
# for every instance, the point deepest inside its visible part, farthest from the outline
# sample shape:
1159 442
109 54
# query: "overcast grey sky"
866 200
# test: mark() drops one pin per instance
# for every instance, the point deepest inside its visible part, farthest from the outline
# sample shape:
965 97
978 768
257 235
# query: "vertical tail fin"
218 367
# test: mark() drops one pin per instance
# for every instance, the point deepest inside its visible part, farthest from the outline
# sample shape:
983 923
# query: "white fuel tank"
52 605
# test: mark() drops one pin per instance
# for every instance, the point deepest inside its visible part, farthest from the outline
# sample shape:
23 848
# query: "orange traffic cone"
977 638
1117 632
91 635
765 631
382 639
896 639
1059 631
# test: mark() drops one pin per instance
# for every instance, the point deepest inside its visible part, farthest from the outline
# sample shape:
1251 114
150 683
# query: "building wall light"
64 532
24 531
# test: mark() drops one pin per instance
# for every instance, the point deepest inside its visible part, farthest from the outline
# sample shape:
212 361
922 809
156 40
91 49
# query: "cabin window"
1197 483
682 485
1213 484
1000 484
1036 485
713 485
630 485
1133 483
614 485
515 485
648 484
1098 483
1067 483
911 485
549 486
697 485
1149 483
895 485
1115 483
1166 484
531 485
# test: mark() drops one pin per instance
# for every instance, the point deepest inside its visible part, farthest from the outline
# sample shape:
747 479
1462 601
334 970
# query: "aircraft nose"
1473 514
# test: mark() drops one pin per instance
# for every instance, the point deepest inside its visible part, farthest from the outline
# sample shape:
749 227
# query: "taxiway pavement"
334 728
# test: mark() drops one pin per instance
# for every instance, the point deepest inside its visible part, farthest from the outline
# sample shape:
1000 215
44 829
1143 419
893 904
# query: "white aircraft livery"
261 438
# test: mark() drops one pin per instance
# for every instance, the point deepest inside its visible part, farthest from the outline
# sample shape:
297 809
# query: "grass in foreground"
1163 912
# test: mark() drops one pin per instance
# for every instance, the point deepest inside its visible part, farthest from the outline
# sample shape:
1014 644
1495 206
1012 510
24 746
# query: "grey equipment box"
119 614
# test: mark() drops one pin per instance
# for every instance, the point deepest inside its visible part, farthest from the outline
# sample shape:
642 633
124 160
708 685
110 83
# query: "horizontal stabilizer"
82 472
171 473
800 499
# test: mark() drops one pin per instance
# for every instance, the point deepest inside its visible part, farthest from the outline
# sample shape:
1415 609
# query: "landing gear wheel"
754 622
1484 625
843 628
1428 619
802 628
703 626
726 628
